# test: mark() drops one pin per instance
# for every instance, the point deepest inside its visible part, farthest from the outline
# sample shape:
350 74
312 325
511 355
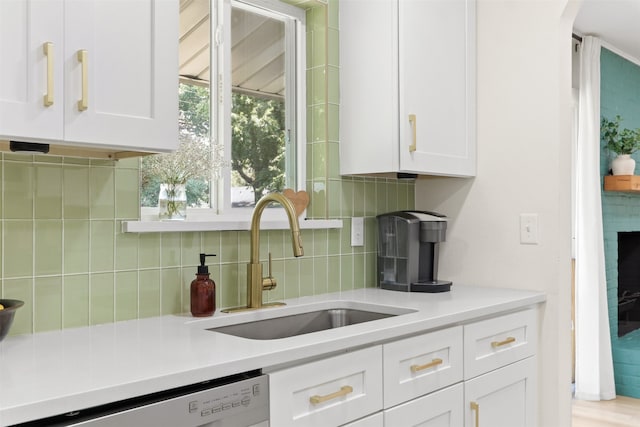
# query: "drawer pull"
83 103
412 120
509 340
48 52
475 406
434 362
344 390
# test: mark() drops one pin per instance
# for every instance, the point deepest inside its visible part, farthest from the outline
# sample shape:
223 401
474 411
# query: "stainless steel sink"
303 323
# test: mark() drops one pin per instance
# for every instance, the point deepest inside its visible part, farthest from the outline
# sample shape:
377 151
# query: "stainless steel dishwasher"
236 401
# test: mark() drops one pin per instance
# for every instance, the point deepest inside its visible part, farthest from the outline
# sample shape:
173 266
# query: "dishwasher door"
242 403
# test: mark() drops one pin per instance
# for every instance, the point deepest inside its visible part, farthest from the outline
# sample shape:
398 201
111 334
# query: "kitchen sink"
304 323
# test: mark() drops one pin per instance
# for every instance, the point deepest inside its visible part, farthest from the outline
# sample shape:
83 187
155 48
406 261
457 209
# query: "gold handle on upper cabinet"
344 390
412 120
434 362
83 103
475 406
47 48
509 340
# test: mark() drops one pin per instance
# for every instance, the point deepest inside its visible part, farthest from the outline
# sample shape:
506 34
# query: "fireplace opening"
628 282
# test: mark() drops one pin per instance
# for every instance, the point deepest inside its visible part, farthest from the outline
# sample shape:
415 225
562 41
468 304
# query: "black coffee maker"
408 251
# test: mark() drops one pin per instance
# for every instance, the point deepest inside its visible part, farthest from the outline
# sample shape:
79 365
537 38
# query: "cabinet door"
437 86
503 398
329 392
28 72
128 79
368 86
440 409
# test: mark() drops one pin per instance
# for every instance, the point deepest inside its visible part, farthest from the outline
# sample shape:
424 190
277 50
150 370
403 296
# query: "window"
241 106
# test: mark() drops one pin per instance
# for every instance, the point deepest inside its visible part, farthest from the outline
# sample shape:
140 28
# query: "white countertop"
57 372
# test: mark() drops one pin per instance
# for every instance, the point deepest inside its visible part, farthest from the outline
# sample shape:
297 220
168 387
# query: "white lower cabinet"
375 420
503 398
482 373
439 409
329 392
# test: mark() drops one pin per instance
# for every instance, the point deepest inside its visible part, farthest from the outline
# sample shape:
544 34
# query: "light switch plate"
357 231
529 229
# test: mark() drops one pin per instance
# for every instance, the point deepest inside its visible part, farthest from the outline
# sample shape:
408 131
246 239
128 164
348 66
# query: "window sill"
223 225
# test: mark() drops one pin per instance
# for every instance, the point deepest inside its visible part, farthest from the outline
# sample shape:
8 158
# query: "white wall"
524 165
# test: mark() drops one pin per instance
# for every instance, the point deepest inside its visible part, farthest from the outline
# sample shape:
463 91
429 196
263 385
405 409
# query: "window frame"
221 105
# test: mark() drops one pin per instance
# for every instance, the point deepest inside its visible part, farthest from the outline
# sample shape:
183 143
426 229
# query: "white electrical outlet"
357 231
529 229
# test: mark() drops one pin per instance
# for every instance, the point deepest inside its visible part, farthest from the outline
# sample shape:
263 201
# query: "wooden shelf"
626 183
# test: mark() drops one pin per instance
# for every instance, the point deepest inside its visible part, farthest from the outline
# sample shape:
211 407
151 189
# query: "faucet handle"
269 282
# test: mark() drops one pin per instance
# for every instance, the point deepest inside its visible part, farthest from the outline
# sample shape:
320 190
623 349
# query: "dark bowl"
7 314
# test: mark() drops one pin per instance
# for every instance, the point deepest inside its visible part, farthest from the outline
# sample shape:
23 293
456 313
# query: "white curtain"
594 365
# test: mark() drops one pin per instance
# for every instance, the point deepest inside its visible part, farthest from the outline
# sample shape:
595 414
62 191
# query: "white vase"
172 202
623 164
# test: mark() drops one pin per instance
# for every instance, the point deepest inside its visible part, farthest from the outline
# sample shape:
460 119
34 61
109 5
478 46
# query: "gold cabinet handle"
434 362
47 48
83 103
475 406
412 120
344 390
496 344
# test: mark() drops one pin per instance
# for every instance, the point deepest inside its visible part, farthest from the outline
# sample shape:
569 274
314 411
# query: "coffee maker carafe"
408 251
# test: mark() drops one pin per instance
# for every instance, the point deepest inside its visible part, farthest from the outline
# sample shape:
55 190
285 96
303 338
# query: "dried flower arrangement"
194 159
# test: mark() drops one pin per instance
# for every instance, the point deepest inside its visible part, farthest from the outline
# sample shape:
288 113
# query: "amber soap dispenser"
203 291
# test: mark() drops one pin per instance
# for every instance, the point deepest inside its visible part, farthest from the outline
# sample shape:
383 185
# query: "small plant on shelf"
623 142
620 141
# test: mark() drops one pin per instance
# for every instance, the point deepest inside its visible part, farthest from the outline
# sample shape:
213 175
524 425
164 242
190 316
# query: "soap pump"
203 291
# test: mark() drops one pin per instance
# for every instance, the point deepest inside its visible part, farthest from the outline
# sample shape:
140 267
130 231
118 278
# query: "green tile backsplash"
63 252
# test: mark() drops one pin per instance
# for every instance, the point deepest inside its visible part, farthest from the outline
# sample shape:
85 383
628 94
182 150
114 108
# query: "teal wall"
620 94
63 253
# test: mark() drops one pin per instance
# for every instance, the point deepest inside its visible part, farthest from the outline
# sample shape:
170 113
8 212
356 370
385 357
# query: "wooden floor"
620 412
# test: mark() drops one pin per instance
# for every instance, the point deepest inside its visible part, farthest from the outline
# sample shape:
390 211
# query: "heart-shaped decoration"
299 199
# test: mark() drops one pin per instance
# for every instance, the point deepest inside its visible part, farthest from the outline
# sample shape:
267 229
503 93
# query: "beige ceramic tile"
18 188
149 250
76 246
171 293
126 295
102 298
149 291
170 254
76 301
127 193
48 191
333 273
126 257
102 245
48 247
76 192
18 248
102 192
48 304
320 275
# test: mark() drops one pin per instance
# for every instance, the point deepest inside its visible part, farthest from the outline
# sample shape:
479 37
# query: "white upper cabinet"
113 68
407 83
26 27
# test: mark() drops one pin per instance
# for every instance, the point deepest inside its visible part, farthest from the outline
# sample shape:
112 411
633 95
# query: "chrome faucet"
256 284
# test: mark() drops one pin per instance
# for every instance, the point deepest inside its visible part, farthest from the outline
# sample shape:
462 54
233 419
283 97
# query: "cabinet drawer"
375 420
328 392
490 344
440 409
422 364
